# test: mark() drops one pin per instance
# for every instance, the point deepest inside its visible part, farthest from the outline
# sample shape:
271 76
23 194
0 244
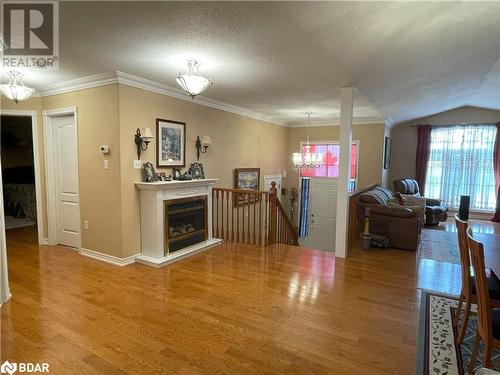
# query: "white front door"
323 208
66 181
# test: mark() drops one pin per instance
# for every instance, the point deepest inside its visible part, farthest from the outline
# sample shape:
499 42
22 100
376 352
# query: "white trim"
61 112
96 80
336 122
177 255
118 77
5 294
159 88
345 138
36 165
108 258
49 168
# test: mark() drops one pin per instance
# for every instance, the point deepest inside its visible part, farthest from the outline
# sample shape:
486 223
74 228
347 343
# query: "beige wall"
100 200
110 115
371 142
404 136
237 142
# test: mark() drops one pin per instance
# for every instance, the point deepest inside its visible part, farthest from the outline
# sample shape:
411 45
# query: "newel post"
272 214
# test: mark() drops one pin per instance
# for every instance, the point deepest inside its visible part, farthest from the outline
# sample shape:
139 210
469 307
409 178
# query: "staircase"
251 217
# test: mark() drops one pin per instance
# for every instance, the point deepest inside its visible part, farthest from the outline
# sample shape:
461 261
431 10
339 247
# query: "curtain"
496 169
304 206
461 163
423 149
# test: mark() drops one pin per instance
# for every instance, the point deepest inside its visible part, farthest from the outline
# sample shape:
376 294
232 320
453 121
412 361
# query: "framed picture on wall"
387 152
171 143
246 179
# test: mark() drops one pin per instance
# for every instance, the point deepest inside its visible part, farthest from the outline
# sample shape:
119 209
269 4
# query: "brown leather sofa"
435 210
399 224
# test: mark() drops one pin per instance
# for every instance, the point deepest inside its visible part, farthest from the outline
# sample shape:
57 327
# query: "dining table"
491 243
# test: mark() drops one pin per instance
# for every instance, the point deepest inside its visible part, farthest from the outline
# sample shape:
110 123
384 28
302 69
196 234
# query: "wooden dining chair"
467 292
488 322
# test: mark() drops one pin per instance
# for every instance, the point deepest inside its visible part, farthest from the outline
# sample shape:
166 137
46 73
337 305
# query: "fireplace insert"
185 222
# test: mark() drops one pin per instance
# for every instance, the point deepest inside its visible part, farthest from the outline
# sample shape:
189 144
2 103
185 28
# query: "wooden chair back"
483 299
463 246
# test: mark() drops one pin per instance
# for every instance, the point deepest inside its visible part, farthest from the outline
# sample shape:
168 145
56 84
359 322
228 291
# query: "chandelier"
15 89
192 82
307 159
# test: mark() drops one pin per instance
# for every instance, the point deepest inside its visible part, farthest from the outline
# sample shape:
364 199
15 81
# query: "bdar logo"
8 368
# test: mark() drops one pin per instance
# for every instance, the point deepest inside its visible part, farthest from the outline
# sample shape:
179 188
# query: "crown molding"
89 82
122 78
160 88
336 122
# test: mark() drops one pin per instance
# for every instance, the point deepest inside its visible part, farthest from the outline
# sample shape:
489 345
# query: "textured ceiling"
282 59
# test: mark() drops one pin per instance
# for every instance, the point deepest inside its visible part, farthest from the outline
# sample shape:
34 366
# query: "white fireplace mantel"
152 197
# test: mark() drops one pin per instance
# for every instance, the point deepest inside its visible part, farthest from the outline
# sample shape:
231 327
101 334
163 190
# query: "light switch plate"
106 164
137 164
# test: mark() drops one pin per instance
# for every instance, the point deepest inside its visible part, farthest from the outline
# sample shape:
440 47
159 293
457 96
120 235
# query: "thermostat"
104 149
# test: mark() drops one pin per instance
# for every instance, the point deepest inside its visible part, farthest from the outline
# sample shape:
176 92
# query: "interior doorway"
61 165
20 172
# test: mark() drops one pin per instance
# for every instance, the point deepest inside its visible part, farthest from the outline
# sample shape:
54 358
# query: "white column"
4 276
346 103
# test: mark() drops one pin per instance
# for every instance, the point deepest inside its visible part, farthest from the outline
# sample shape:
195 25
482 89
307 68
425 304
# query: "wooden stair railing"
281 229
251 217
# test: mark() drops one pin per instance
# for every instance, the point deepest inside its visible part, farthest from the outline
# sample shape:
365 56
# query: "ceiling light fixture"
192 82
15 89
305 158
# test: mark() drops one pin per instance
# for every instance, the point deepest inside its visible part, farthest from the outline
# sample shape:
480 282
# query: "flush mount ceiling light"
307 159
192 82
15 89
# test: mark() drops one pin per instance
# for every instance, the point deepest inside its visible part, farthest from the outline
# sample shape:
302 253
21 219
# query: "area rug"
439 246
438 352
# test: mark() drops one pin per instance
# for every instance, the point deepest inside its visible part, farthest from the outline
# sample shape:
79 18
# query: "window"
330 166
461 163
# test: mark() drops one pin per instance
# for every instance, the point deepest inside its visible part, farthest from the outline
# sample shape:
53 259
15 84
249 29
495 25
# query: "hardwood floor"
233 309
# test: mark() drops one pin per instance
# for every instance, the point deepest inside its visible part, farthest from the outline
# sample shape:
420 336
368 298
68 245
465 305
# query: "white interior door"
323 208
66 180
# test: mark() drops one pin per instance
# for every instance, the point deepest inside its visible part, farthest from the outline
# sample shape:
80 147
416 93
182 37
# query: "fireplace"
185 222
186 206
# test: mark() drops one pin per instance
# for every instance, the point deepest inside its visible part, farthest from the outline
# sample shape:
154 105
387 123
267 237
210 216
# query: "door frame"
48 130
36 161
299 184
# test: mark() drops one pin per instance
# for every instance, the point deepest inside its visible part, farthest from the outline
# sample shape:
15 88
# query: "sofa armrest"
393 211
433 202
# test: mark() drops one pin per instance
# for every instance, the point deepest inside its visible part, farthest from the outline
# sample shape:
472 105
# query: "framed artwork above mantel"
170 143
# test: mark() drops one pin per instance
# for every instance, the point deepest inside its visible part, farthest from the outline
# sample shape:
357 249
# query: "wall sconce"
202 145
142 140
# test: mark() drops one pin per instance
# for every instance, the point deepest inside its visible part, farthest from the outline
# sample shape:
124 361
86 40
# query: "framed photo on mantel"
171 143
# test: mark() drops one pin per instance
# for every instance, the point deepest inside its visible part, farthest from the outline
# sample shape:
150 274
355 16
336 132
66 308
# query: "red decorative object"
423 151
496 168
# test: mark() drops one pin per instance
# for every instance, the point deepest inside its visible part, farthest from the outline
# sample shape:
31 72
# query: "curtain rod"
480 123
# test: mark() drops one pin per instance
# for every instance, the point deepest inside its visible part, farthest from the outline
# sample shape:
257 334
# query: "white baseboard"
108 258
43 241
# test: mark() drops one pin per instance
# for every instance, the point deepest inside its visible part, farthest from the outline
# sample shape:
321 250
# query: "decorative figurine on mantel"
178 175
197 171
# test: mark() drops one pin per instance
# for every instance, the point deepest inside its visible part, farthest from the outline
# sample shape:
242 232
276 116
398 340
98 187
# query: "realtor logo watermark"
23 367
30 35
